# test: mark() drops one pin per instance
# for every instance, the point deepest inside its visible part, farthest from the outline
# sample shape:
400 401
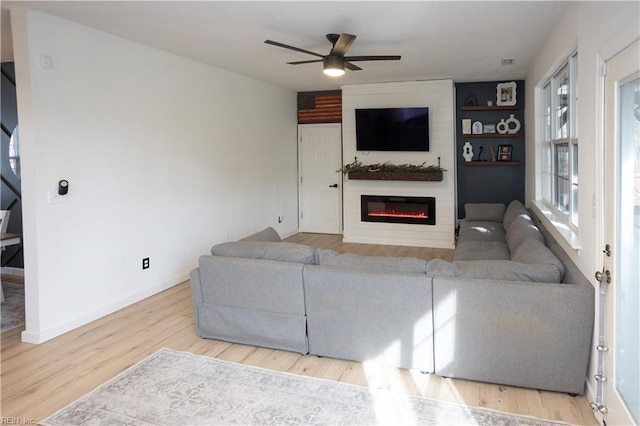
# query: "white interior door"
622 234
320 156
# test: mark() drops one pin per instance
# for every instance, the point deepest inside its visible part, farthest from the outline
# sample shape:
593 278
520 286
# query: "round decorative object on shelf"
511 125
471 100
512 121
467 151
501 127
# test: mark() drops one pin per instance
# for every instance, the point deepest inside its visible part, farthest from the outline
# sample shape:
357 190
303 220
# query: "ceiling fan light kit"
333 66
335 62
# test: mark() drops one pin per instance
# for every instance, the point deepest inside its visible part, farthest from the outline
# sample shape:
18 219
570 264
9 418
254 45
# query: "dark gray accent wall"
488 183
10 188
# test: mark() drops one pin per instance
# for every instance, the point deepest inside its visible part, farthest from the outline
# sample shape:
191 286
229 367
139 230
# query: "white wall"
437 95
165 157
597 30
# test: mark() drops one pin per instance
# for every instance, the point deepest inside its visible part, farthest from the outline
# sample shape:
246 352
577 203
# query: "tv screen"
392 129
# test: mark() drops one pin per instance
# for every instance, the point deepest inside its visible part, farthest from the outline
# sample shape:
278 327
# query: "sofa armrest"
492 212
527 334
255 284
250 301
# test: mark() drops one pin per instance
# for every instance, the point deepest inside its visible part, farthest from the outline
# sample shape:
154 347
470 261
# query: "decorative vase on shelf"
467 151
511 125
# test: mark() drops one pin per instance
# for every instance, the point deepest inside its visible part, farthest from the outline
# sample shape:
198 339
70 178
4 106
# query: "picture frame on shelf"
506 94
489 128
466 126
505 152
477 128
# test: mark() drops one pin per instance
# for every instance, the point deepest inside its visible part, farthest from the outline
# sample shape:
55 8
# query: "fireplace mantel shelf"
415 176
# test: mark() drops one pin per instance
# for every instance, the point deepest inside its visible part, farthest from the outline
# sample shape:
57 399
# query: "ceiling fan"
335 62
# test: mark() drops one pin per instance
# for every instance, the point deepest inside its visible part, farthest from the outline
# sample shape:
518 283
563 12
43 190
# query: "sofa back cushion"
482 250
371 263
507 270
267 250
521 229
481 231
533 251
514 209
267 234
441 268
485 212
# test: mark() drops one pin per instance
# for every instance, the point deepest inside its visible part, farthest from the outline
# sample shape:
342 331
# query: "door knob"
335 185
607 274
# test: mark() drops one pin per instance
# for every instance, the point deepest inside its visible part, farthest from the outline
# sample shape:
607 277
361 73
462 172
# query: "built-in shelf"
489 108
415 176
491 163
491 135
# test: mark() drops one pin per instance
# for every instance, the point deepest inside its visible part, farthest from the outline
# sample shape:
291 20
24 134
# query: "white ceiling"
462 40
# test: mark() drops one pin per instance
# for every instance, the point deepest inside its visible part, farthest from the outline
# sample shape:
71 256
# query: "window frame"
560 183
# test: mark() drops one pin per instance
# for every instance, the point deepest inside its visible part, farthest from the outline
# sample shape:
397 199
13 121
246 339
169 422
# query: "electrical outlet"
145 263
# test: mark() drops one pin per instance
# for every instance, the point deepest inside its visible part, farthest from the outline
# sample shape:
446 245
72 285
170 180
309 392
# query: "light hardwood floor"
37 380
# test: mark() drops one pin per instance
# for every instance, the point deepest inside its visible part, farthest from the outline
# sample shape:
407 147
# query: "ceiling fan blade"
352 67
342 44
297 49
304 62
372 58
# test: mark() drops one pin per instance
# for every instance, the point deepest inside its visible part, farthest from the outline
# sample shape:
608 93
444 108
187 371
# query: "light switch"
55 198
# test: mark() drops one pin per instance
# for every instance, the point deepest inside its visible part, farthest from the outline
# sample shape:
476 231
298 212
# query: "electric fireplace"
392 209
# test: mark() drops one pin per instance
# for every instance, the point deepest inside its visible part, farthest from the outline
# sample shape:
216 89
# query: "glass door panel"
627 269
620 399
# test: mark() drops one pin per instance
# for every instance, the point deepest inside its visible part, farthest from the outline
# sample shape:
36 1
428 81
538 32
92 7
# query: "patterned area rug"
179 388
12 309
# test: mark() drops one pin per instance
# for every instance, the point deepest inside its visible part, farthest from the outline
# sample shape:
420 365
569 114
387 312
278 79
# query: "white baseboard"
59 329
289 234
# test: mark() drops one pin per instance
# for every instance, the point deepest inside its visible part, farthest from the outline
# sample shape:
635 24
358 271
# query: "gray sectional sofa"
511 308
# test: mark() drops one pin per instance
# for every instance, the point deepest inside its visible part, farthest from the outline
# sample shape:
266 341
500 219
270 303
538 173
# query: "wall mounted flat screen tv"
392 129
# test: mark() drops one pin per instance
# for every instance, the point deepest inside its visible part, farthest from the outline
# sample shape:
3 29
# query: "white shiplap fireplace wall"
438 96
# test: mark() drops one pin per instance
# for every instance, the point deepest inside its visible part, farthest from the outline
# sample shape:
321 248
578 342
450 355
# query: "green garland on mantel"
357 166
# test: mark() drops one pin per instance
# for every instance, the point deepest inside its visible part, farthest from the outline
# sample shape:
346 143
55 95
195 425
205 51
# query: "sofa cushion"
533 251
267 250
489 212
370 263
520 230
507 270
482 250
514 209
441 268
267 234
481 231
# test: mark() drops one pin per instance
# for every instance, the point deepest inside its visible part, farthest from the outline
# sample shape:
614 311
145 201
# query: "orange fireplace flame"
393 213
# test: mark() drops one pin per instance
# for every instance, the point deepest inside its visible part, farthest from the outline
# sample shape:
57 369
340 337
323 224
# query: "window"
559 166
14 152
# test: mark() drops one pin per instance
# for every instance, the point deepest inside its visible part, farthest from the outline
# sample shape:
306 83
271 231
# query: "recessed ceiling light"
507 61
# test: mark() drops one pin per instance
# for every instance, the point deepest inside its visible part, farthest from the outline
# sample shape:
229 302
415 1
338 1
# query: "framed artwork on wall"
506 94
